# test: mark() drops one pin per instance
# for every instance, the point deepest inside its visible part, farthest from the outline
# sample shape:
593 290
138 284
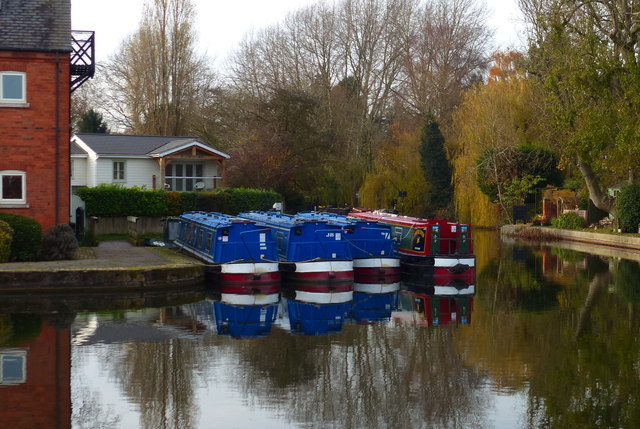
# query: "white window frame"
23 176
124 172
22 100
13 354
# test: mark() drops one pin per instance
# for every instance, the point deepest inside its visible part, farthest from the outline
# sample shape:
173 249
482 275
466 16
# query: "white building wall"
138 172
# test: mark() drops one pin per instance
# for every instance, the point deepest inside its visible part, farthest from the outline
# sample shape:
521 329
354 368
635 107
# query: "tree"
585 56
92 122
492 121
436 169
156 79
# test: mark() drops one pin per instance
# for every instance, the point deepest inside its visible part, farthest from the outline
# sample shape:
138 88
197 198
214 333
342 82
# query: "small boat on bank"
240 252
308 250
369 243
429 248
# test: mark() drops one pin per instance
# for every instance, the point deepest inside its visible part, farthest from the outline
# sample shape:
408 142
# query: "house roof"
77 150
35 25
134 145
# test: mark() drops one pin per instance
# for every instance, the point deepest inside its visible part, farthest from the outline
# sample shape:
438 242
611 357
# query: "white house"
153 162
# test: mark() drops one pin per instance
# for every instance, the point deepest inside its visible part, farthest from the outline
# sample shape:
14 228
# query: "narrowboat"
308 250
240 252
429 248
370 245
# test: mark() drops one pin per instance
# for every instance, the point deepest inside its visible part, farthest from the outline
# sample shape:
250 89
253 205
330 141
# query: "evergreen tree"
92 122
437 171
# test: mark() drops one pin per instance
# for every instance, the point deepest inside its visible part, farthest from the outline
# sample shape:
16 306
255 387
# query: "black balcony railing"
83 57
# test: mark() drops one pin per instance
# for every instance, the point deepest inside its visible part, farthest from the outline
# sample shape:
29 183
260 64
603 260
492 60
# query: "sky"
221 24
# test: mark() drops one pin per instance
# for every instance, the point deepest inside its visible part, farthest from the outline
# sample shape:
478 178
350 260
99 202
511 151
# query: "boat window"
200 238
208 244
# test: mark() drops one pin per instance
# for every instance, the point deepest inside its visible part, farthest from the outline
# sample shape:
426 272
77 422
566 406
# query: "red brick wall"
28 135
44 400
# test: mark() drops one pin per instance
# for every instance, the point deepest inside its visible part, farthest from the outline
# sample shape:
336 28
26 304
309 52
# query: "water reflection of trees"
396 375
573 349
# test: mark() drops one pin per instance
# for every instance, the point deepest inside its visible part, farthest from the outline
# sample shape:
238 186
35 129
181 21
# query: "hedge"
115 200
628 208
27 237
6 237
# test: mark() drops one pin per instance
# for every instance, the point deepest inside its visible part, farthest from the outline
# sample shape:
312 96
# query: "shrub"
59 243
569 220
115 200
628 208
6 236
27 237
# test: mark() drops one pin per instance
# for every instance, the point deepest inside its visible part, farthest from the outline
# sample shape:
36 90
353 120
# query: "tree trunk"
600 199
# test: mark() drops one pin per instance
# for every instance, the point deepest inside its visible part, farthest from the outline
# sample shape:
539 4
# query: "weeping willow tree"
397 169
494 117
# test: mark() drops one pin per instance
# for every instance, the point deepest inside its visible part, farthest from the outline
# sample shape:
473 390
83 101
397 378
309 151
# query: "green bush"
628 208
569 220
115 200
59 243
27 237
6 236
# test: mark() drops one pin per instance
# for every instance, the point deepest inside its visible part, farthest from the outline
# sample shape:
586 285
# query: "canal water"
548 339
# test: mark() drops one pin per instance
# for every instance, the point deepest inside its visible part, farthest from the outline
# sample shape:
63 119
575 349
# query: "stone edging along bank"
544 233
100 279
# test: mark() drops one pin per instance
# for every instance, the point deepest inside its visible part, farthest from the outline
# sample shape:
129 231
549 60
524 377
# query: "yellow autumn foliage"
397 168
496 116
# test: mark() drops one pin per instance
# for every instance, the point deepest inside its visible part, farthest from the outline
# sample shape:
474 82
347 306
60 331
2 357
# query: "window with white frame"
13 87
13 187
119 171
184 176
13 366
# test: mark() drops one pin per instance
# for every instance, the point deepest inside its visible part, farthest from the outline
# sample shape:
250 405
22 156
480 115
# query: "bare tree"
156 78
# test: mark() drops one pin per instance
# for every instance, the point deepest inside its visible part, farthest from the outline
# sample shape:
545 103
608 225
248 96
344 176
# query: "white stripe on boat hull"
376 263
376 288
450 262
242 299
450 290
323 266
249 268
324 298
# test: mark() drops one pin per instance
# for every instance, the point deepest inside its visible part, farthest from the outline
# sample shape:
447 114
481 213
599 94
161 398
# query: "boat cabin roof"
396 219
213 219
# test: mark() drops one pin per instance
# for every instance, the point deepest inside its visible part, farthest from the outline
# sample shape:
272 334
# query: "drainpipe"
57 205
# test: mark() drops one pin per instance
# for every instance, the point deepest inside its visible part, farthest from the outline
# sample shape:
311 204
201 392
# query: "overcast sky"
221 24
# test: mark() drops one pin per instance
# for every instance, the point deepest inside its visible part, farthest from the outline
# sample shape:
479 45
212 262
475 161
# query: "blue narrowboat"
308 250
243 252
234 317
370 244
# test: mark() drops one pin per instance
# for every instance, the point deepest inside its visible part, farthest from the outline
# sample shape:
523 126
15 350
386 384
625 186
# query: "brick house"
39 67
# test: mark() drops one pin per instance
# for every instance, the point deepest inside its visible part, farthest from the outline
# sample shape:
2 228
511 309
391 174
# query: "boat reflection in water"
374 302
430 305
315 308
240 315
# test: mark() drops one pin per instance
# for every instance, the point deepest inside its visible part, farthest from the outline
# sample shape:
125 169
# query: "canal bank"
111 265
583 237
